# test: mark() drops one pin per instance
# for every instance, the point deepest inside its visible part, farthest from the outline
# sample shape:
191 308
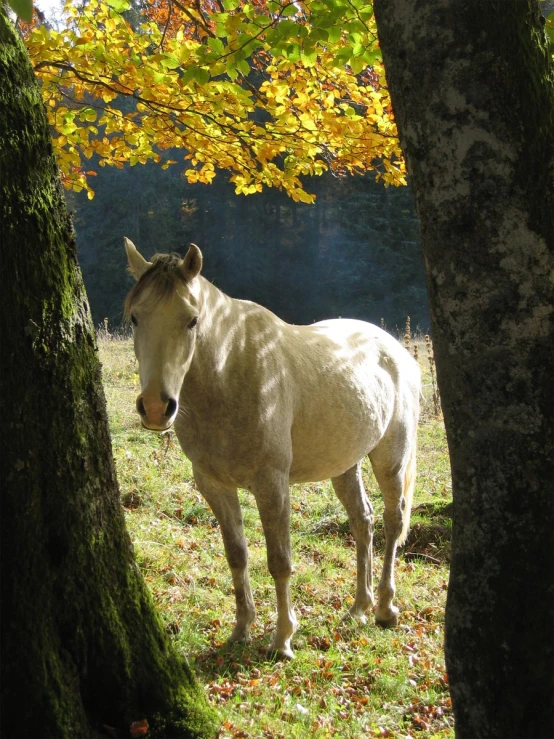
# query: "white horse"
258 403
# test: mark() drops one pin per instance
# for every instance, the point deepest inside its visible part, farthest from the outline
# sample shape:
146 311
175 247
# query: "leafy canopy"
270 90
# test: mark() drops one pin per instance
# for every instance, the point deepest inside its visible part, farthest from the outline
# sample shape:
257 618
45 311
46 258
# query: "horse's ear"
137 263
191 265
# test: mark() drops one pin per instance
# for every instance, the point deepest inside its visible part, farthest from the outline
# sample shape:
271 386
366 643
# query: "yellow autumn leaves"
267 92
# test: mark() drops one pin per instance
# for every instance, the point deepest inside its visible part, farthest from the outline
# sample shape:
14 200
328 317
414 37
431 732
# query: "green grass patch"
345 681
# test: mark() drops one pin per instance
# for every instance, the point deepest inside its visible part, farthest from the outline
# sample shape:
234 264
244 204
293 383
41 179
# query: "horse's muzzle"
157 414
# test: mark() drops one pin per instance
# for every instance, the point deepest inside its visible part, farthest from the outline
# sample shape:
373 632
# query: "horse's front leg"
272 498
225 505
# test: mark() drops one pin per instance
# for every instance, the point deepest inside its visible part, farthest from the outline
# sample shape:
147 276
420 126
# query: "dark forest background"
355 253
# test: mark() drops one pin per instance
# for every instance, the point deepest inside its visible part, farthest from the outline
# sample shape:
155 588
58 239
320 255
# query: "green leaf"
87 114
169 62
355 38
290 10
357 64
158 77
372 56
232 70
285 30
343 55
293 52
318 34
309 56
118 5
23 8
244 67
217 45
188 75
201 75
366 15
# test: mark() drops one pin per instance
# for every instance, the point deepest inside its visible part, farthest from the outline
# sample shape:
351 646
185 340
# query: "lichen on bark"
472 85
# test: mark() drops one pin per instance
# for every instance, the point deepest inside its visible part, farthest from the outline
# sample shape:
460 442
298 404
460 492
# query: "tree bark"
472 86
82 646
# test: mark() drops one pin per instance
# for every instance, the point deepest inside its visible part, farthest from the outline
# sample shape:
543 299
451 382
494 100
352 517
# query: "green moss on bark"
82 645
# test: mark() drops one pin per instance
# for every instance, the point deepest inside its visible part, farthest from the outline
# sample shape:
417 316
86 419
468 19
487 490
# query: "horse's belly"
314 464
332 435
327 450
313 472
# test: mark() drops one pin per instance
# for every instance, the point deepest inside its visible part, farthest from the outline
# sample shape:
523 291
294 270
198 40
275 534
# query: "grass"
345 682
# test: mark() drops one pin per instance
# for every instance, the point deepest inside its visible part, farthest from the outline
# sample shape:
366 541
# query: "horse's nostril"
140 407
171 408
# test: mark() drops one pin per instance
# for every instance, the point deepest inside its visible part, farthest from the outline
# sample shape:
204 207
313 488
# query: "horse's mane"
162 277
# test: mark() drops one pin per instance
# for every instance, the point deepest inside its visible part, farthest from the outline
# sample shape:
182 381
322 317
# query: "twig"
418 555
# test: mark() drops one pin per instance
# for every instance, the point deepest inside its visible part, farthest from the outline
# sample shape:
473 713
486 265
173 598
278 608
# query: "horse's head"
164 308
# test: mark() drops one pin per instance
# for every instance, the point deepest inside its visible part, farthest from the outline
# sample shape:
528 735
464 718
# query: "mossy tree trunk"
472 86
82 646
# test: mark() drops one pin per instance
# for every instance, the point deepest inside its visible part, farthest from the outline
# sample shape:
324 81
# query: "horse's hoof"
282 652
353 618
285 653
389 620
239 636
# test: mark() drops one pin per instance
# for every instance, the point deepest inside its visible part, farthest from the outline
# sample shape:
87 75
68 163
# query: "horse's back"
351 381
349 353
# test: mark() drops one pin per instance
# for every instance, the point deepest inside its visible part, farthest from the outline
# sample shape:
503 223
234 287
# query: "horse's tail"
408 492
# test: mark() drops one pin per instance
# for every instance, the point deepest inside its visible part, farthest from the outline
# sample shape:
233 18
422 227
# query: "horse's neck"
229 336
222 322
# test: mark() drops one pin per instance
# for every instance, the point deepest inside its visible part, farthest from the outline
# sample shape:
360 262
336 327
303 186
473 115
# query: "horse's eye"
133 319
193 323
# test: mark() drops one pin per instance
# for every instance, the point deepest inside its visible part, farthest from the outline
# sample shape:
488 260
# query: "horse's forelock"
162 278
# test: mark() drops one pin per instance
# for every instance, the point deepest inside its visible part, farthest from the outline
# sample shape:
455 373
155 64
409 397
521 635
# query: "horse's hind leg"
396 480
350 491
226 508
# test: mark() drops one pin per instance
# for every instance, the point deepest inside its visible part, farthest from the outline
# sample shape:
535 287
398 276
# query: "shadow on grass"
227 660
430 533
428 539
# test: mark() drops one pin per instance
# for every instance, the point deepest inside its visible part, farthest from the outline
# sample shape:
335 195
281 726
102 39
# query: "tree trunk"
472 86
82 646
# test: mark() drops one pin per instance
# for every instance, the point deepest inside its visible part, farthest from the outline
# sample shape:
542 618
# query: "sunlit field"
344 681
